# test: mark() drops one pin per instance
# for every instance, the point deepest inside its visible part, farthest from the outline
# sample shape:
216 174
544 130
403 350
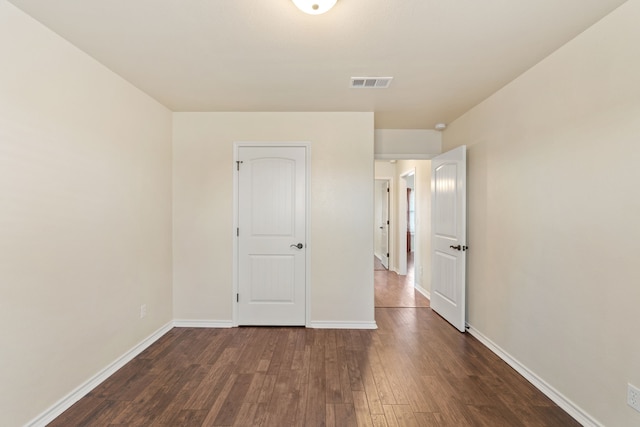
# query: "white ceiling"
266 55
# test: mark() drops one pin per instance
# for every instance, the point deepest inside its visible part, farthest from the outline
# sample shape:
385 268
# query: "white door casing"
403 223
449 234
271 235
385 226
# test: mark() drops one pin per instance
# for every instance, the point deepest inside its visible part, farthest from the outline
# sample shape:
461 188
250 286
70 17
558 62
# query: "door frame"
402 226
391 215
236 200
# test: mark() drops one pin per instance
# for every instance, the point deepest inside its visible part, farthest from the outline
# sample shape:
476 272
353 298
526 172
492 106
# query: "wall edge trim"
558 398
424 292
197 323
342 325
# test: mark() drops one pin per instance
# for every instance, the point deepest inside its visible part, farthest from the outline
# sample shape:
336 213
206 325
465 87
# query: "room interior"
117 125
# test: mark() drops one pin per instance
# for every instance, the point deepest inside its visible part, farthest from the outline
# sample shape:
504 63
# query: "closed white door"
271 235
449 234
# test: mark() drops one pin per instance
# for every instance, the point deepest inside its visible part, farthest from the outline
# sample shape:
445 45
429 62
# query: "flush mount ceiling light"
314 7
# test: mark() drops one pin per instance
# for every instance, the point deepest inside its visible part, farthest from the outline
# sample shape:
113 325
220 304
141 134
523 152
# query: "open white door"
449 235
271 235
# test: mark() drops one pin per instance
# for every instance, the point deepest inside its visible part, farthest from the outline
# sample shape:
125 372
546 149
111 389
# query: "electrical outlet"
633 397
143 310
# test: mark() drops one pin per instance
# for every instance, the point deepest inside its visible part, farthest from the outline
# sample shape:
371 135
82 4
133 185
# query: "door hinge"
238 164
238 232
387 254
387 190
387 222
237 297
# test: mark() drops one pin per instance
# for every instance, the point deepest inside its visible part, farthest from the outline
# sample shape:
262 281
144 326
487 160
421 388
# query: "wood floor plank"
253 392
261 415
379 420
190 418
491 416
330 416
207 391
390 416
277 350
420 400
211 347
300 385
333 385
316 405
281 409
361 406
426 419
230 408
343 372
370 387
221 398
454 414
346 416
405 416
355 377
246 415
169 415
266 391
394 366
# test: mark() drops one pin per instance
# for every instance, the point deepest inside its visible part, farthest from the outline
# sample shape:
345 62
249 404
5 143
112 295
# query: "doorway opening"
407 246
382 223
406 282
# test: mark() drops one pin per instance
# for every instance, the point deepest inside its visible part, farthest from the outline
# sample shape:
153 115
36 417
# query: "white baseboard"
424 292
343 325
558 398
82 390
189 323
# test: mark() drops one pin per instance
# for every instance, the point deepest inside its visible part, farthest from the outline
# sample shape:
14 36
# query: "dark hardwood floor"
415 370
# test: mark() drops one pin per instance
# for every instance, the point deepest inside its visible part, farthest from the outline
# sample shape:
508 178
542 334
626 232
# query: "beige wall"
341 241
85 217
407 143
554 229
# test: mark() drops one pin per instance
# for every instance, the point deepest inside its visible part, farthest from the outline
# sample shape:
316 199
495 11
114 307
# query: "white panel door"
271 235
449 234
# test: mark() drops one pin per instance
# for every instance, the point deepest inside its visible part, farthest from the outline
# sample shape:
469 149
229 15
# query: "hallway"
395 291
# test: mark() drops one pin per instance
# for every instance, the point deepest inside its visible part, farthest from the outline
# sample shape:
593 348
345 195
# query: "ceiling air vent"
370 82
